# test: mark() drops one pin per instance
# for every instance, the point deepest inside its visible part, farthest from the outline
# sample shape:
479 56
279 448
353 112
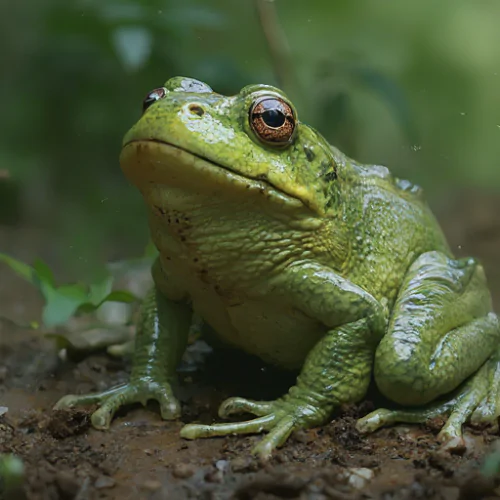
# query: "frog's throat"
146 161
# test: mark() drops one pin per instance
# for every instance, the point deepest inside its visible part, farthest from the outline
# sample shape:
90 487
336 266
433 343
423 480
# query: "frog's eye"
153 96
272 120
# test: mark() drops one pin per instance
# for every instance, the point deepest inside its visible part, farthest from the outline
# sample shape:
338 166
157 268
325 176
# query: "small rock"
67 483
241 464
183 471
214 476
358 477
151 485
103 482
222 465
217 475
302 436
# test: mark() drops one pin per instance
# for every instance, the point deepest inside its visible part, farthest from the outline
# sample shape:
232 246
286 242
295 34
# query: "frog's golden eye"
272 120
153 96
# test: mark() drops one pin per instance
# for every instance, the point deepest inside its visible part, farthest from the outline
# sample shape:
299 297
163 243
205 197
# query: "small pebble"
183 471
103 482
222 465
358 477
214 476
67 483
304 436
151 485
217 475
241 464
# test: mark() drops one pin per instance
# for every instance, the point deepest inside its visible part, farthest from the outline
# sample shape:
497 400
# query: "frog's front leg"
336 371
441 332
160 341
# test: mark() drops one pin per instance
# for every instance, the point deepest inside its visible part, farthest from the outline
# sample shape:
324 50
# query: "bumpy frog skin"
295 253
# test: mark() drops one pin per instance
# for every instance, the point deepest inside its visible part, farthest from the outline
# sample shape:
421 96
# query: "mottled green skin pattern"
301 256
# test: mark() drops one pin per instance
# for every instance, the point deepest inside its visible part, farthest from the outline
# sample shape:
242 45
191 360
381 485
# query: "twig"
277 45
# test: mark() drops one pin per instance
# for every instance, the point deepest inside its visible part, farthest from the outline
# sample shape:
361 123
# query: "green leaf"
99 291
121 296
44 273
20 268
115 296
86 308
62 303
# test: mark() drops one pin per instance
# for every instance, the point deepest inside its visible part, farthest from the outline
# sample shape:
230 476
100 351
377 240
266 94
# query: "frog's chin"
150 162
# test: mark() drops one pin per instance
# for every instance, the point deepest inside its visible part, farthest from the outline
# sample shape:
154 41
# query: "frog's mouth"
146 161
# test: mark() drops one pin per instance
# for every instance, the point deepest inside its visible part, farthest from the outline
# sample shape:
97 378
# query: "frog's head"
251 144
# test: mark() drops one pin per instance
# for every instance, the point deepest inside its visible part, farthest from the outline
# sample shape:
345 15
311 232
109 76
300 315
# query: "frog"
291 251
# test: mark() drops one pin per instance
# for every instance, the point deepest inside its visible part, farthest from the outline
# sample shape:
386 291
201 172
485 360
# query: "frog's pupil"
273 118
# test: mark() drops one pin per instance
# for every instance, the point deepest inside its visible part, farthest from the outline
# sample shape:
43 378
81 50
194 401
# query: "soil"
143 457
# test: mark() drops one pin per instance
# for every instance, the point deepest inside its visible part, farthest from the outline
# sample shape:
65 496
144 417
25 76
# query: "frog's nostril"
196 109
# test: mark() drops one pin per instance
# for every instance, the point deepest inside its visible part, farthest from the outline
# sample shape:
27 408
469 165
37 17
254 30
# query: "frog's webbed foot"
279 418
160 340
477 401
111 400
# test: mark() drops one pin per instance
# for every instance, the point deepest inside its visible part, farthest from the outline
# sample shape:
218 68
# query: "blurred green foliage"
413 85
11 476
61 302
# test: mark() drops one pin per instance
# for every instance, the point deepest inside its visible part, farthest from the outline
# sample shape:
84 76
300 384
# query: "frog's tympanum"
295 253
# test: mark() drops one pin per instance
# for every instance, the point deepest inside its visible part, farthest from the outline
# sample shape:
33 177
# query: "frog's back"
391 226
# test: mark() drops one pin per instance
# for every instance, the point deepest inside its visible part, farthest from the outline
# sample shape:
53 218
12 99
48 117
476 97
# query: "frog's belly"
276 333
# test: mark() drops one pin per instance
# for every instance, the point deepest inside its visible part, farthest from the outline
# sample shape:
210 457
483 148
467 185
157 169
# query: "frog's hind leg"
441 332
460 406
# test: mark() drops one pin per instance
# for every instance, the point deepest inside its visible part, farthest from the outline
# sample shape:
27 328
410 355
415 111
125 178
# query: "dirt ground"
142 457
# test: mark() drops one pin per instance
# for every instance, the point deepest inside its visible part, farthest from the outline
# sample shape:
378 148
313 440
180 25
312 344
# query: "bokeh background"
412 85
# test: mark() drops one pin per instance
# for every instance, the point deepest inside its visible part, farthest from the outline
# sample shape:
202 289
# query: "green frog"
293 252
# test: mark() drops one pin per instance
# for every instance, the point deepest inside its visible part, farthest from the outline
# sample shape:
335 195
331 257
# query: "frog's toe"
234 406
278 427
488 410
255 426
462 408
237 406
384 417
275 439
486 415
477 401
111 400
278 418
376 419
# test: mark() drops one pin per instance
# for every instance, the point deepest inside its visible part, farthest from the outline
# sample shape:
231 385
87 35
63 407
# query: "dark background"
412 85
